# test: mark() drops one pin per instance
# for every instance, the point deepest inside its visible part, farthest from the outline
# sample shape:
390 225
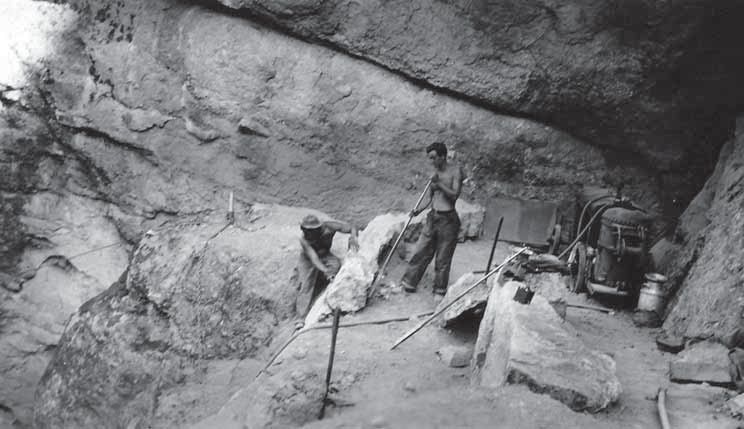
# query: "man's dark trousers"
439 237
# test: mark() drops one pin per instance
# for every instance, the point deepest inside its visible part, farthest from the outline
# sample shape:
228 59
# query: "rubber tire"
578 254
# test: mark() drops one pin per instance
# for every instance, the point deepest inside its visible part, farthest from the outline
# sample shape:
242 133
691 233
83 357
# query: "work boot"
441 292
408 288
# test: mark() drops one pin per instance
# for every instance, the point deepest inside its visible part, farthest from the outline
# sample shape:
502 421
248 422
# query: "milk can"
652 296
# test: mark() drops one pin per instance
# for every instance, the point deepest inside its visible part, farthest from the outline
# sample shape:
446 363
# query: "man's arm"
346 228
451 192
312 255
416 210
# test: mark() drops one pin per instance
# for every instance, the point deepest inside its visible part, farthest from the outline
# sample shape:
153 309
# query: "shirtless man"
442 226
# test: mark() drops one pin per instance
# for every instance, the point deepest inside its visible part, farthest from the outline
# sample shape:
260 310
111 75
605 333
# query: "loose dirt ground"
410 387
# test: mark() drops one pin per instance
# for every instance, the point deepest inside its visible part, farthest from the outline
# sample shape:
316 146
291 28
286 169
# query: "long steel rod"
449 304
493 247
334 333
381 270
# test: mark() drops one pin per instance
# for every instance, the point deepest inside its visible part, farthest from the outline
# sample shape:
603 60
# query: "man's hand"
434 181
328 274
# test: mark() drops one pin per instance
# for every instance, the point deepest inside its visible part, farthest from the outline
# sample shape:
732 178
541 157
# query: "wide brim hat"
310 222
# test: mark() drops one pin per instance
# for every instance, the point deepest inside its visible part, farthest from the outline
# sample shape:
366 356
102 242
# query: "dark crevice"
61 136
143 153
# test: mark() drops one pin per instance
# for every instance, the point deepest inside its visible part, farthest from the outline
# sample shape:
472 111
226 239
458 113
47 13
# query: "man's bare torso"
451 177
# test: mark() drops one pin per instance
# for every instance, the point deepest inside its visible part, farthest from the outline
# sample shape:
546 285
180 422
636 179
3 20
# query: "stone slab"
530 344
703 362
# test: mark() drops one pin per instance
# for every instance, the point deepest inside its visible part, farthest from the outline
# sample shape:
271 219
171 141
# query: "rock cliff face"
620 75
709 271
181 85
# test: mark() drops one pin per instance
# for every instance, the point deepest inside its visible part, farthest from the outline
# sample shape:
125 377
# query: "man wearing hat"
318 266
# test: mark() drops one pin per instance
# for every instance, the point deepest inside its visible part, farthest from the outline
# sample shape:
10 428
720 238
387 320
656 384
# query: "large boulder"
349 290
703 362
196 292
530 344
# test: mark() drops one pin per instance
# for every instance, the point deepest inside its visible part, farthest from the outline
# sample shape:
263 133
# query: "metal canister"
652 295
624 230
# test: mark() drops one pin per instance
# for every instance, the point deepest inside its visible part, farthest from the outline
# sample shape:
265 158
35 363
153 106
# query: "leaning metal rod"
493 248
299 332
373 322
449 304
334 333
397 241
591 307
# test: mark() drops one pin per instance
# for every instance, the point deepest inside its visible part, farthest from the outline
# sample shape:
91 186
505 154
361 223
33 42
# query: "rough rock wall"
648 76
60 241
275 117
710 269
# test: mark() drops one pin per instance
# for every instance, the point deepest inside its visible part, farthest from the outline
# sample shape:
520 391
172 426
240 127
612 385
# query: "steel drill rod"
591 307
397 241
493 247
301 331
334 333
449 304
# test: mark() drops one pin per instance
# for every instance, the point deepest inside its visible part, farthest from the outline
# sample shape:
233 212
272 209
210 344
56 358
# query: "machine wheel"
578 263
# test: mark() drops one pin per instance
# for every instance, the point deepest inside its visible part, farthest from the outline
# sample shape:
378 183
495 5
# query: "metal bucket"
652 296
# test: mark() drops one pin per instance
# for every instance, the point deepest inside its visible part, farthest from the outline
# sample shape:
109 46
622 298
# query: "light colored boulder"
699 406
530 344
349 289
474 299
735 405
